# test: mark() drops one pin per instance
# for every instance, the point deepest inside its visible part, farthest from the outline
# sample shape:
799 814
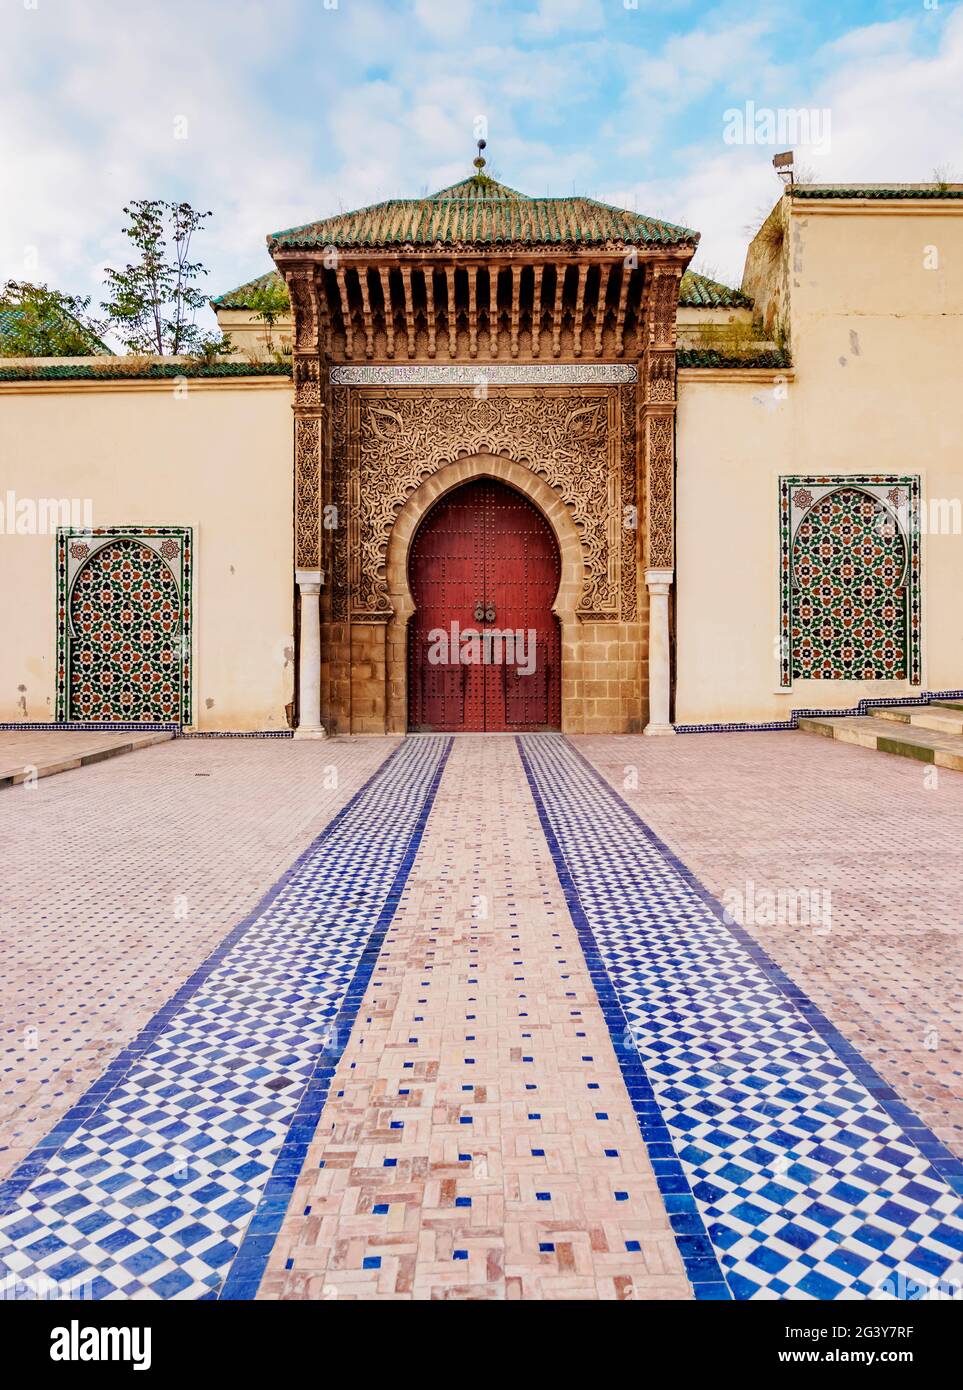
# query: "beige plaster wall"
877 347
251 337
216 457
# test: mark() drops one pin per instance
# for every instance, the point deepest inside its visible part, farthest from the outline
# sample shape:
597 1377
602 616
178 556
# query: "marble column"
309 663
659 582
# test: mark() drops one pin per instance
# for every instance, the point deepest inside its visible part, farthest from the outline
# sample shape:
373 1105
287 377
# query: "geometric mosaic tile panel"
791 1170
124 624
850 578
170 1177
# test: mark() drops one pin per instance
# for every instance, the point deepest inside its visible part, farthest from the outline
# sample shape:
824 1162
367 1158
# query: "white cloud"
102 131
552 17
295 110
445 19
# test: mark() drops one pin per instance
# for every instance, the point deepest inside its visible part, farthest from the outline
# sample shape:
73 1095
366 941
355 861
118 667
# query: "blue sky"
272 114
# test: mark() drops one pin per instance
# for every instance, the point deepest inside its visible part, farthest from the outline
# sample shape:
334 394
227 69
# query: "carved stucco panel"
659 491
307 489
582 442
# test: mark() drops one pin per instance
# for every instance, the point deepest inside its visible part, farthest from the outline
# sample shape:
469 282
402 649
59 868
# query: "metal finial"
479 161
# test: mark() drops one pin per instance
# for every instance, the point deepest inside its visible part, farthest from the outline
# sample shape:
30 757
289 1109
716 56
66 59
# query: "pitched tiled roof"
480 211
877 190
699 292
241 298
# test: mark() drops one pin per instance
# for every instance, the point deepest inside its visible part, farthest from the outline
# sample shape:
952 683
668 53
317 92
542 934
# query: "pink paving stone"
481 938
121 877
792 812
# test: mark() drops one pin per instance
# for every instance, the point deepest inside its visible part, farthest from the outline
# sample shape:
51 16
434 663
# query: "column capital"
309 581
659 580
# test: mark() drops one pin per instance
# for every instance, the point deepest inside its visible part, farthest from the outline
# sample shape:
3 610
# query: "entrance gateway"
537 335
483 647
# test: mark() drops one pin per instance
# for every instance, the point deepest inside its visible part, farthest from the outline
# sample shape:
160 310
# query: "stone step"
26 755
942 720
890 736
947 704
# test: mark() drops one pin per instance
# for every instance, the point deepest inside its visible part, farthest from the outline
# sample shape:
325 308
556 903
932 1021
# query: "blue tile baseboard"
217 733
106 727
177 1163
807 1174
82 728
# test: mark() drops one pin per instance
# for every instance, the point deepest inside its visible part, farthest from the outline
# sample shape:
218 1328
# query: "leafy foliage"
155 298
269 303
36 321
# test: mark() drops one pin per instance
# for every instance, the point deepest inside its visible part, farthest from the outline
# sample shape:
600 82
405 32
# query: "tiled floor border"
945 1166
248 1265
704 1272
37 1162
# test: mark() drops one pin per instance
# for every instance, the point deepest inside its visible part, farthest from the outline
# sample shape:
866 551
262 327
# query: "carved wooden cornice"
369 306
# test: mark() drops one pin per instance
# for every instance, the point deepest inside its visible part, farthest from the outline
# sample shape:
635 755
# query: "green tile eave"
773 358
239 298
885 191
153 371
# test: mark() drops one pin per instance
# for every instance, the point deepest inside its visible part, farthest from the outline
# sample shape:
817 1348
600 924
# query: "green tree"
36 321
271 302
154 300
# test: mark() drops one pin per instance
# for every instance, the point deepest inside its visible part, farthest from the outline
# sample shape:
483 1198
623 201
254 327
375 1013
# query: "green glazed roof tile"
482 212
699 292
151 371
712 357
242 296
877 190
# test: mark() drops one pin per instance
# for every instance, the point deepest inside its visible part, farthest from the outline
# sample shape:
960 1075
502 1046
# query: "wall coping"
30 386
737 374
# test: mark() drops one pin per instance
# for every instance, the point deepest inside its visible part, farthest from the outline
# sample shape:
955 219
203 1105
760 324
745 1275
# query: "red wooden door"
483 651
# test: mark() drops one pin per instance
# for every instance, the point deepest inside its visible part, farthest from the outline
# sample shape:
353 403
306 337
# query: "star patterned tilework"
807 1174
185 1153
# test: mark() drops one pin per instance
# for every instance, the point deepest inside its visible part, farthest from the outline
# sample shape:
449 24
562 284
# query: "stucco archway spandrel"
416 507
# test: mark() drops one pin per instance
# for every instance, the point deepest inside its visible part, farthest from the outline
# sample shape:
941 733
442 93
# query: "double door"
483 649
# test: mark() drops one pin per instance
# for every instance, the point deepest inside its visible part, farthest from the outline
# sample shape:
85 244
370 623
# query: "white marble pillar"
309 663
658 583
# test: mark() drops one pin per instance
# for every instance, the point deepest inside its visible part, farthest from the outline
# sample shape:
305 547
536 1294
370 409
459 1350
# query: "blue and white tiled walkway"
173 1172
808 1177
781 1164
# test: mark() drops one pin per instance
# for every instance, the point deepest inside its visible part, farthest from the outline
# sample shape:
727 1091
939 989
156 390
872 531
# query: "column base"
657 730
310 731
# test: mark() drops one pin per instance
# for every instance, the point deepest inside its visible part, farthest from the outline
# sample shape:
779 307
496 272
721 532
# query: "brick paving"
883 835
120 878
467 1074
